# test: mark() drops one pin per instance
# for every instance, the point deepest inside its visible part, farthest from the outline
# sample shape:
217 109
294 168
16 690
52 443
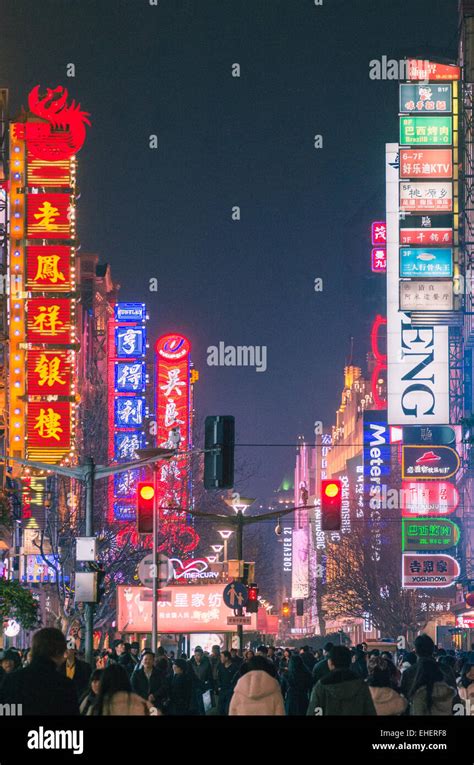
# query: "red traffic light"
252 599
145 505
285 609
252 593
331 498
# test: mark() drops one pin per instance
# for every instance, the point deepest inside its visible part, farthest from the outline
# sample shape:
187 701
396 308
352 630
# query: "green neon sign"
429 534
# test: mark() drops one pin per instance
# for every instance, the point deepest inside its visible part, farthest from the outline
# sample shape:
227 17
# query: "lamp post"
217 549
225 535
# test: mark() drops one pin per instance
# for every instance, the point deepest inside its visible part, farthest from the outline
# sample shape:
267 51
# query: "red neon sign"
380 361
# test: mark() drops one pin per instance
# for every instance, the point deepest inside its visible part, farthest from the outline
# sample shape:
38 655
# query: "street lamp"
239 504
225 535
212 558
217 549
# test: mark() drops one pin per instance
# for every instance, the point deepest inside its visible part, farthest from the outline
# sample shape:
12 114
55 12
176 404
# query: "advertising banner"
49 373
182 609
430 196
426 163
429 534
424 498
426 261
443 435
419 69
429 570
379 260
49 268
49 216
424 295
425 97
430 131
429 462
426 236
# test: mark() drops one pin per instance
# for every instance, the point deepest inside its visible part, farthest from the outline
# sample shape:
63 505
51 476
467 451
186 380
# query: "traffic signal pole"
240 558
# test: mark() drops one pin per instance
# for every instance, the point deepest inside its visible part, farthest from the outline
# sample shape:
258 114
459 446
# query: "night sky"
226 141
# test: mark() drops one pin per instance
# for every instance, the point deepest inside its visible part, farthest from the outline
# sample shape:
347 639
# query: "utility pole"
239 518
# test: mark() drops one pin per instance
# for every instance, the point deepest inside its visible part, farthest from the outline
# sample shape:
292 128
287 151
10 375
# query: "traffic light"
286 610
145 503
252 599
331 496
300 607
219 464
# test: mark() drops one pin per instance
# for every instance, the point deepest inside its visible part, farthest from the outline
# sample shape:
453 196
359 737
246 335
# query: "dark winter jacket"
81 677
408 677
40 689
299 683
343 693
180 695
320 670
226 679
156 684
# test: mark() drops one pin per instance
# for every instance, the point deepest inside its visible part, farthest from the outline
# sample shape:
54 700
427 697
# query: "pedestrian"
236 658
89 697
359 661
262 650
202 679
127 660
11 661
299 684
115 696
150 682
407 660
322 667
272 656
135 653
283 670
39 687
466 687
180 689
257 692
215 660
308 657
226 675
424 649
430 694
386 699
76 670
341 691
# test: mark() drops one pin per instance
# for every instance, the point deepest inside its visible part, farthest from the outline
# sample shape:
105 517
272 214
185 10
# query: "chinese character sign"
426 163
434 196
130 377
49 320
379 260
49 425
173 401
431 131
49 268
130 342
49 216
49 373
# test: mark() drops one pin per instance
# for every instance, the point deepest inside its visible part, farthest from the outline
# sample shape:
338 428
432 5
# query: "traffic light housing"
219 464
286 610
331 500
145 505
300 607
252 599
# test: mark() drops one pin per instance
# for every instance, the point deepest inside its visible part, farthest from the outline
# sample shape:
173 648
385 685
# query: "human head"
379 672
327 648
11 661
410 658
233 652
94 683
135 648
287 653
271 651
215 650
226 658
148 660
364 646
160 651
467 675
262 650
261 664
162 664
114 679
198 654
179 667
49 643
339 658
249 654
119 647
424 646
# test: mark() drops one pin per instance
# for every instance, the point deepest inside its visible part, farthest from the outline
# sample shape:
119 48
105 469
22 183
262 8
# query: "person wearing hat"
180 689
76 670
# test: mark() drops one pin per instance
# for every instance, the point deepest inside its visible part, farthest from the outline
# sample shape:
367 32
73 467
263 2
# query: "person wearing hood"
299 684
387 701
341 691
430 693
257 692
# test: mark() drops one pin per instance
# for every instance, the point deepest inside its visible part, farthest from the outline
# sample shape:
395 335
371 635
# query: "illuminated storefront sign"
130 342
380 357
428 498
129 411
426 261
49 425
426 196
426 163
433 236
419 69
429 462
418 370
379 260
429 534
419 571
49 216
379 233
49 320
183 609
135 312
443 435
49 373
425 98
130 377
173 416
49 268
424 295
431 131
376 455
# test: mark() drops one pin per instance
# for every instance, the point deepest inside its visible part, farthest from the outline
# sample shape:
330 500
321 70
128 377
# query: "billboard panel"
424 295
426 163
429 196
429 570
428 131
426 97
426 262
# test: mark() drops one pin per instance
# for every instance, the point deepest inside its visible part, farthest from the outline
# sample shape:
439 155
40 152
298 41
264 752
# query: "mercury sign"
426 261
420 571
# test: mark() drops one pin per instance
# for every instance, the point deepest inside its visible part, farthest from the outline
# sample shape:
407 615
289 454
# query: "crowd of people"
51 678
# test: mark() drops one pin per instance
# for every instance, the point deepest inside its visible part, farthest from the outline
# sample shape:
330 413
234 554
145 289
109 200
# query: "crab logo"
62 130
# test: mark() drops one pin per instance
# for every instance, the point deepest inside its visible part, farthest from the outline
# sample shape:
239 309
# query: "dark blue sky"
226 141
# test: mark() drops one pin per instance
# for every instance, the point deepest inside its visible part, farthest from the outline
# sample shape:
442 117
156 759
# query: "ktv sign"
417 357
